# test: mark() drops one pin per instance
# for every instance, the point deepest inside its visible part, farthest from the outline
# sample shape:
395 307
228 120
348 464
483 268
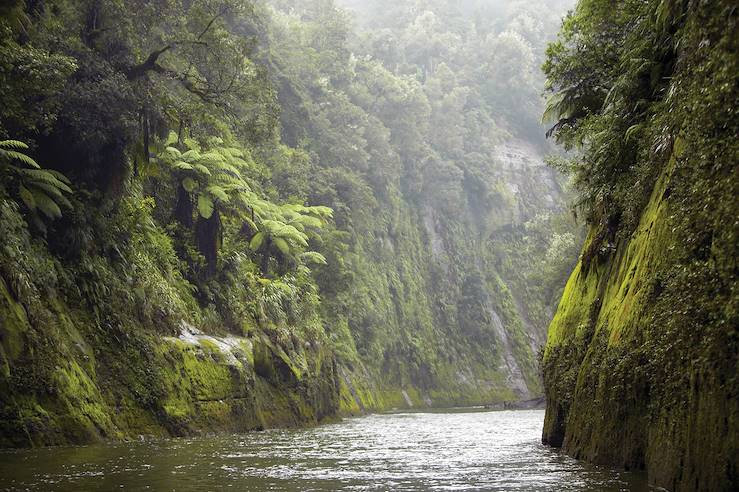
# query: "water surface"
450 450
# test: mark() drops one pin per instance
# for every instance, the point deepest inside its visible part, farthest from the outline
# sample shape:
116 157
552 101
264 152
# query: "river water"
445 450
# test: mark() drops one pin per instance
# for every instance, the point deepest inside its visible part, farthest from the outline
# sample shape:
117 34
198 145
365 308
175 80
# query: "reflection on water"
451 450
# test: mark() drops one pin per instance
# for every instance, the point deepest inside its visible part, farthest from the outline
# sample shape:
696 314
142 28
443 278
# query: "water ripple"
438 451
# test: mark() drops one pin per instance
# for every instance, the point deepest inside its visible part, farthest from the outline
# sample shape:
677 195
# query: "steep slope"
441 184
641 362
272 219
75 371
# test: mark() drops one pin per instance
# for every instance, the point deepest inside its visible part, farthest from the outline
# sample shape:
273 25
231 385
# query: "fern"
189 184
257 241
13 144
40 190
312 257
282 245
215 176
205 206
217 192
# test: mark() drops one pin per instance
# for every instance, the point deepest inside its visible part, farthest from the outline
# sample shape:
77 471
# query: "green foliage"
265 170
640 339
40 190
606 75
288 231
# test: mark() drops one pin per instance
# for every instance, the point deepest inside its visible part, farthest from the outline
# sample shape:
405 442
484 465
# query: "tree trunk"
183 208
265 256
208 239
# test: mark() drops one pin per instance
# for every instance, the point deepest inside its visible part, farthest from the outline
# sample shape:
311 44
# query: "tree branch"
151 61
210 23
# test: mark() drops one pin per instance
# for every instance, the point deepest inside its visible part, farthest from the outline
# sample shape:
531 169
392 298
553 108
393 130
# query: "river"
414 451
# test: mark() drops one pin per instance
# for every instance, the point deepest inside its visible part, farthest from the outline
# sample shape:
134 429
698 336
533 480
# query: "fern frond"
184 166
217 192
191 156
313 257
13 144
281 245
43 176
61 177
189 184
46 205
171 139
19 156
202 169
257 241
172 151
27 197
212 158
205 206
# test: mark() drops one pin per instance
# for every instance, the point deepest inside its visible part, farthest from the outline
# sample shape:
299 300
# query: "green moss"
640 369
13 324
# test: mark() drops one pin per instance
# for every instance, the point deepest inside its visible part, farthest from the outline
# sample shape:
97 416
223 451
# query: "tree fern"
312 257
40 190
215 176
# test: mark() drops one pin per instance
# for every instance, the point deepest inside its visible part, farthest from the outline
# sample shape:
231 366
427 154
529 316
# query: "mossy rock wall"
641 364
71 384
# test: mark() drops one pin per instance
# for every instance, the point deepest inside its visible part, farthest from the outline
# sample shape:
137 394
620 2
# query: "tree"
287 233
609 66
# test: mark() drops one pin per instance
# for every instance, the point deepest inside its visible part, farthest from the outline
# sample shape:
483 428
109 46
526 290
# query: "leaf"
201 169
320 211
308 221
291 233
191 156
47 188
192 144
189 184
46 205
257 241
217 192
205 206
212 158
27 197
42 175
171 139
13 144
18 156
250 222
313 257
632 131
172 151
183 165
61 177
282 245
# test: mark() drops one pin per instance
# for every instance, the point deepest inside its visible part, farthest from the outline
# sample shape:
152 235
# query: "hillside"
229 215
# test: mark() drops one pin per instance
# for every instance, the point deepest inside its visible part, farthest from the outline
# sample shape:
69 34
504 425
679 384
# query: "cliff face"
447 328
460 322
641 364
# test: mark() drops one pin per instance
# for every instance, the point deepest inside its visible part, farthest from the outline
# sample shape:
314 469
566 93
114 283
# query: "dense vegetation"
230 214
641 364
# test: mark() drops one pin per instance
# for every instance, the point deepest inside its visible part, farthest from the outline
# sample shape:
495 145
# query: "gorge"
225 216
